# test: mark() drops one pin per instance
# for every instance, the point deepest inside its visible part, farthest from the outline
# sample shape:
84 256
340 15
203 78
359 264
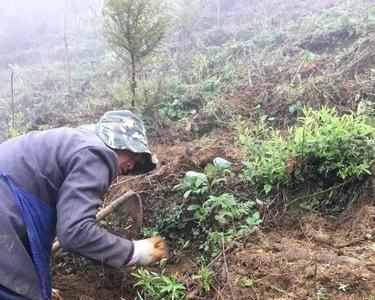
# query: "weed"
21 126
343 287
223 209
219 167
172 224
311 204
158 287
254 219
247 282
320 294
205 277
372 246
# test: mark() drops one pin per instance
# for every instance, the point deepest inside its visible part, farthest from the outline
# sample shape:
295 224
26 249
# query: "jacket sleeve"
87 176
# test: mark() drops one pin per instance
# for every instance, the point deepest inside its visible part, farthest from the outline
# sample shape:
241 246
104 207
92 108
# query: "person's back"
39 161
55 166
52 184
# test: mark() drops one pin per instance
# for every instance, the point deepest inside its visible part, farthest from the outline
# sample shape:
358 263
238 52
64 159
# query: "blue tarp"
40 221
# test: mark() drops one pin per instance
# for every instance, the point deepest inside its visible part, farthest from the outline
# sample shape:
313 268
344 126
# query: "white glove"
56 295
148 251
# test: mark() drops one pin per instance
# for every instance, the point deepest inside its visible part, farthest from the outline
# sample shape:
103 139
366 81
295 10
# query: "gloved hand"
56 295
148 251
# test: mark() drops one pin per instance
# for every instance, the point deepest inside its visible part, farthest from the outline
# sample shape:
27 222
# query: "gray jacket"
70 169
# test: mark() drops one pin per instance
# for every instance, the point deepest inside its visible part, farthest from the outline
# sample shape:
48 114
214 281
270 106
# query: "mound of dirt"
327 42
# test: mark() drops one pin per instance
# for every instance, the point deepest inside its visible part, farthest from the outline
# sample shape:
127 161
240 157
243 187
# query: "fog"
29 24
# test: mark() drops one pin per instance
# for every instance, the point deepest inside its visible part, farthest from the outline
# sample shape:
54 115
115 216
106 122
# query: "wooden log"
117 204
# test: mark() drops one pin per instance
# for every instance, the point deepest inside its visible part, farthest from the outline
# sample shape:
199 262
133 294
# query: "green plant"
205 276
343 287
21 126
193 184
254 219
158 286
219 166
247 282
136 28
372 246
213 245
171 224
311 204
221 209
320 294
323 145
220 218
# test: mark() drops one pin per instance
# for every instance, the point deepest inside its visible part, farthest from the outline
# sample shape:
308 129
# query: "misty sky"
29 24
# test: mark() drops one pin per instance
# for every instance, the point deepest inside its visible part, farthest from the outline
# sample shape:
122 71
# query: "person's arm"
88 175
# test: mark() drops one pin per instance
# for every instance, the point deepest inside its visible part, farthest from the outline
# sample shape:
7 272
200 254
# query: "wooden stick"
12 92
105 212
227 271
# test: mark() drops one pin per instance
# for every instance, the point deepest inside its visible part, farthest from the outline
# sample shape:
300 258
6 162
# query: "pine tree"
135 28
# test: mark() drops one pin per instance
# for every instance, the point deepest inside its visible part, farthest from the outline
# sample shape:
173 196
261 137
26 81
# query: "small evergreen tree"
135 28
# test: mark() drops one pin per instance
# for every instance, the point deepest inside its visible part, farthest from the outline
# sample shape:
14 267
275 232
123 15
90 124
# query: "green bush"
194 183
220 210
207 215
324 147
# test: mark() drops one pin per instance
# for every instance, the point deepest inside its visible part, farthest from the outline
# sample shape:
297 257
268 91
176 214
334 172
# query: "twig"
218 292
353 199
350 243
280 290
221 253
299 69
226 270
303 230
127 179
67 60
153 174
255 292
321 192
12 92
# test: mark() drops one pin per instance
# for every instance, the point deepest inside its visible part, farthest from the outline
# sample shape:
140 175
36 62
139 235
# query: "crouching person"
51 184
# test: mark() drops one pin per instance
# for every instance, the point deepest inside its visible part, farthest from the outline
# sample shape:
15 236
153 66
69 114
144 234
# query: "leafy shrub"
219 167
220 218
221 210
324 146
194 183
192 89
203 216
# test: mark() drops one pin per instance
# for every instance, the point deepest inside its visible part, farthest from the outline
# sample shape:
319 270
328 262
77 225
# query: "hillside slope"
243 63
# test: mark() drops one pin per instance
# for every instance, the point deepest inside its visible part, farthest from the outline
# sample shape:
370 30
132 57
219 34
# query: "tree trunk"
67 60
218 13
133 83
12 93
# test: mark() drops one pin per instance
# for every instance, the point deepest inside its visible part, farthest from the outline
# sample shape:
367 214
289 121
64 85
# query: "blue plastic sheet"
40 221
6 294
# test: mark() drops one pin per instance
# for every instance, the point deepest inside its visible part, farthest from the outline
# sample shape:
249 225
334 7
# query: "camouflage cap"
123 130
